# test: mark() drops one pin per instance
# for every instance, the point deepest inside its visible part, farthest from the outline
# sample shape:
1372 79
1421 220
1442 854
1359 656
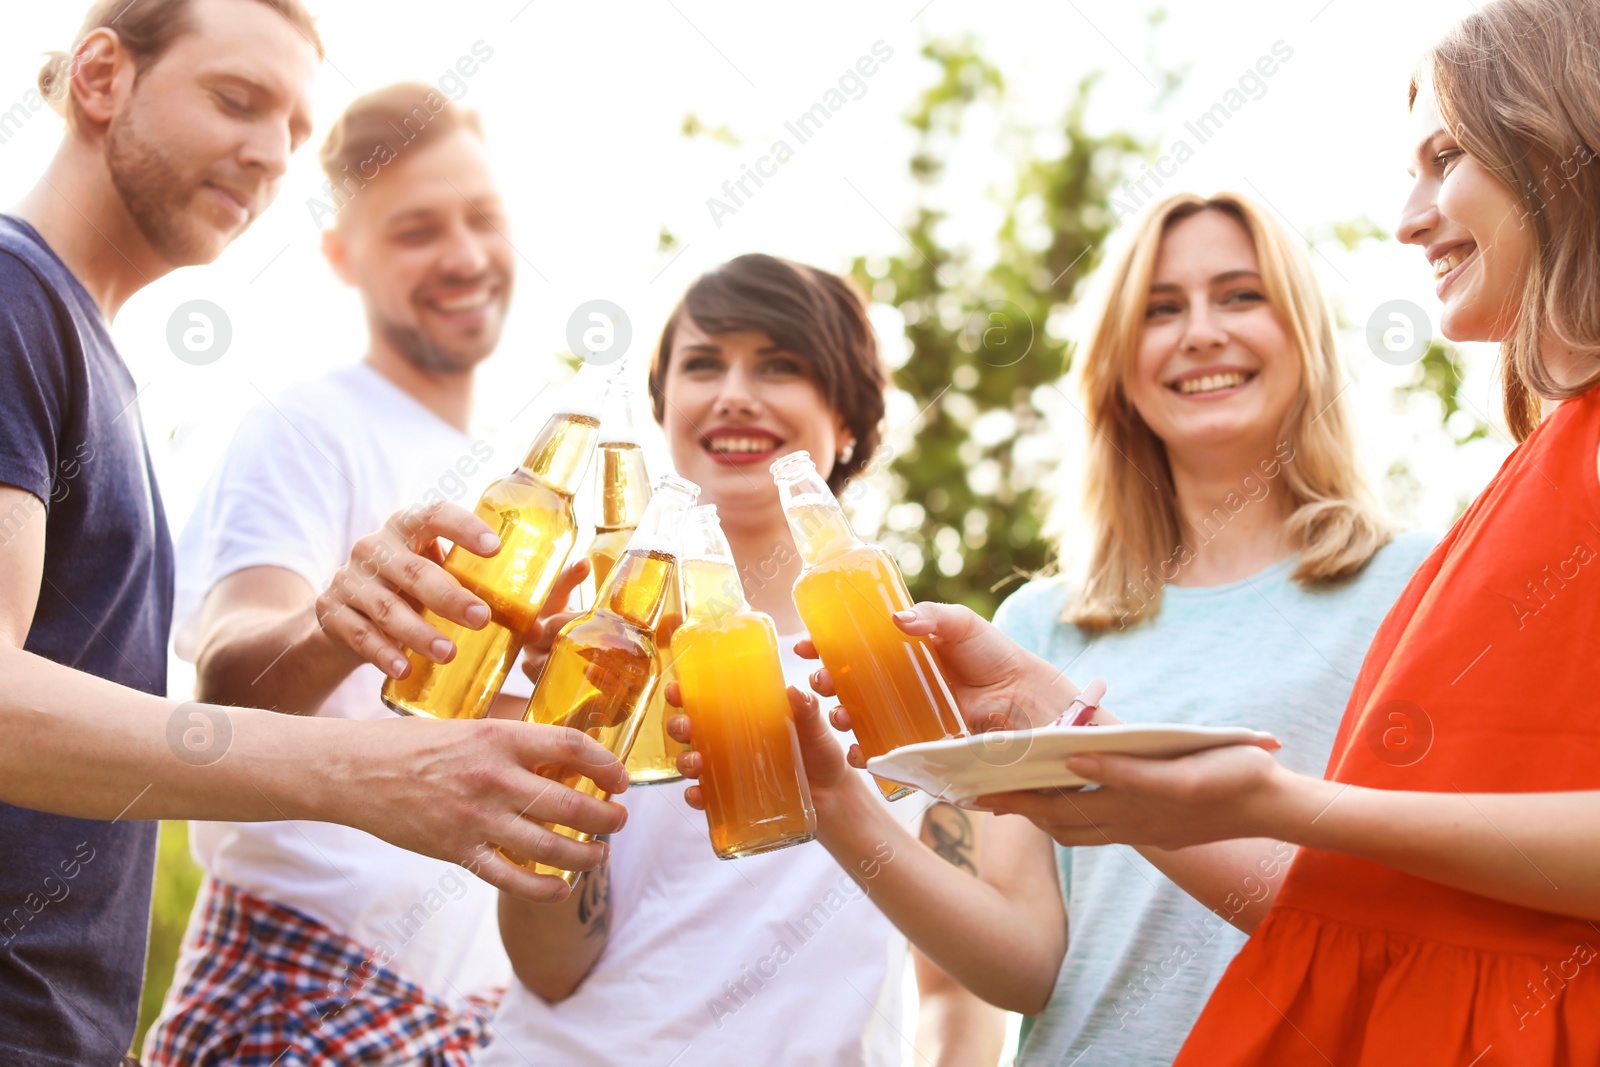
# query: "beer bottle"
846 594
531 511
756 796
624 489
622 484
604 664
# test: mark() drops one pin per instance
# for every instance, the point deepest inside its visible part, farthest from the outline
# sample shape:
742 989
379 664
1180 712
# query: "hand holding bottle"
372 606
997 684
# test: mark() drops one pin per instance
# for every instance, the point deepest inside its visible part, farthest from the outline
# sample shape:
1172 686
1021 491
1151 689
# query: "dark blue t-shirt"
75 893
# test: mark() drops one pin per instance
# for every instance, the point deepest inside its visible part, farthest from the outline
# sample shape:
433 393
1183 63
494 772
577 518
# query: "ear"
100 76
337 252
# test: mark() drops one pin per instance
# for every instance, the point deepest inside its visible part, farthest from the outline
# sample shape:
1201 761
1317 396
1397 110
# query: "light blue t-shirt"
1142 955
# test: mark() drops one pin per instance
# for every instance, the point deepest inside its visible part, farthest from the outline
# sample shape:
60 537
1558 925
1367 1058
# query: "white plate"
963 768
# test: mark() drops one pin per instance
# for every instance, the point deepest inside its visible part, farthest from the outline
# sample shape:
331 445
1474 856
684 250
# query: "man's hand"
373 603
461 791
552 618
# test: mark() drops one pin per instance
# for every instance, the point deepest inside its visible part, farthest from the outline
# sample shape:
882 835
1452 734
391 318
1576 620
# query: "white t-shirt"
306 476
778 958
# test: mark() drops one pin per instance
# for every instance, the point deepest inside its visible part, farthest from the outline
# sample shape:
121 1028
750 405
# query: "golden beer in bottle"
731 676
622 484
604 664
847 592
624 489
531 511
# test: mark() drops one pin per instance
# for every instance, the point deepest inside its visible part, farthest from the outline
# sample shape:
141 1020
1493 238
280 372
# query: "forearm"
1537 850
954 1027
553 947
987 941
269 659
79 745
1238 879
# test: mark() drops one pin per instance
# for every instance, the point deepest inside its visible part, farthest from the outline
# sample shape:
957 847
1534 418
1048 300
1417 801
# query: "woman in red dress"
1444 903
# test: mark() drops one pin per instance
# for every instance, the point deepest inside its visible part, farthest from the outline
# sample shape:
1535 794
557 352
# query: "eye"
782 365
415 237
1244 296
1443 160
701 364
1161 308
233 103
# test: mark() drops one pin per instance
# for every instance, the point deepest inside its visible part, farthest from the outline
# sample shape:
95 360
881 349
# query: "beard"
422 351
158 195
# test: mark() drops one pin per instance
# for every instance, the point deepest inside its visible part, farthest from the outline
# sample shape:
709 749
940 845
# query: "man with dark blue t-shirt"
181 116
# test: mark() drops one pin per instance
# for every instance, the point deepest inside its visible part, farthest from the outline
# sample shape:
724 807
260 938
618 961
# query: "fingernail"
478 615
904 616
397 668
488 544
442 649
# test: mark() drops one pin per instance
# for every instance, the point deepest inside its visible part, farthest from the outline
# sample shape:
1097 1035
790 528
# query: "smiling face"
203 140
1215 368
425 244
1471 228
734 403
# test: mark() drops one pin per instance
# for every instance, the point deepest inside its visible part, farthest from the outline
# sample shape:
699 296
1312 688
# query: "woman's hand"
998 685
826 770
1221 793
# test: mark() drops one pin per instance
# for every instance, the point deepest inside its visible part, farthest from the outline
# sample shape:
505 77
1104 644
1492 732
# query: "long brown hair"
1518 89
1137 533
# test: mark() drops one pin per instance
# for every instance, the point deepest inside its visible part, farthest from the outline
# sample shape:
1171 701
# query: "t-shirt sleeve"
1029 615
33 380
278 499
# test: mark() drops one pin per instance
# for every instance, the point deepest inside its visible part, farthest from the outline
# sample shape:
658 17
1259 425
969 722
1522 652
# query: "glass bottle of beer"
846 593
531 511
624 489
734 692
604 664
622 484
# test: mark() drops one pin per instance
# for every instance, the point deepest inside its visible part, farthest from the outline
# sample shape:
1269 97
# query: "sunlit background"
613 125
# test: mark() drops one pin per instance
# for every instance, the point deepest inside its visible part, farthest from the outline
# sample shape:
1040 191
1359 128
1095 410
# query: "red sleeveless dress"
1484 678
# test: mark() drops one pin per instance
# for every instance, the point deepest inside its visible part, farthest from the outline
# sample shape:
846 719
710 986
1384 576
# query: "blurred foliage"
177 883
1439 374
966 522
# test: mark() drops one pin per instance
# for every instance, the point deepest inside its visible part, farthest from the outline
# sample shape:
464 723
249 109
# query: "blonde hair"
1130 502
1517 86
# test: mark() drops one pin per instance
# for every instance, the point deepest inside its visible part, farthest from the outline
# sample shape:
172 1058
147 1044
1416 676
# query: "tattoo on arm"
949 832
594 902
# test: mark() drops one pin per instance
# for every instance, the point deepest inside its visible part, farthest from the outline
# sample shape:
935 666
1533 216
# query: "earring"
847 453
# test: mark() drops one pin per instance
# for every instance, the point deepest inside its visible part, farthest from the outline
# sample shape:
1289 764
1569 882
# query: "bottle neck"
820 529
711 589
624 485
636 589
562 450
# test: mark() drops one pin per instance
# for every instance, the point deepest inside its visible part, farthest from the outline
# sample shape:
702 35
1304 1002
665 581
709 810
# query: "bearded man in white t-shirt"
313 943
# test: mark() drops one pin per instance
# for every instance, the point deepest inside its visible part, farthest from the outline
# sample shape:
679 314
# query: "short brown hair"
147 29
1516 86
818 316
376 128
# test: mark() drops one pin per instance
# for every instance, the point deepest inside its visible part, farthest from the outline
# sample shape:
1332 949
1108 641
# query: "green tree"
982 341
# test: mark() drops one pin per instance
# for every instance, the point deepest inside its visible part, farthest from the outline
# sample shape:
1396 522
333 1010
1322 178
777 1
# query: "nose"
463 254
1203 331
268 149
1419 217
736 397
